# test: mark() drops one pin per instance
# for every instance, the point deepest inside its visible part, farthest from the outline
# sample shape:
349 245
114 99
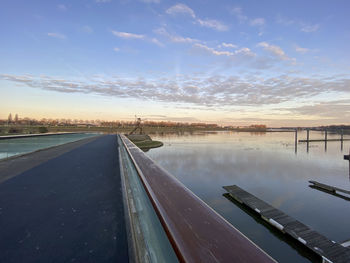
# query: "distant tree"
9 119
16 118
43 130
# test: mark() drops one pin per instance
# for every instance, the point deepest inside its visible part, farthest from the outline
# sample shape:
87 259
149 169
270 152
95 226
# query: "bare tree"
9 119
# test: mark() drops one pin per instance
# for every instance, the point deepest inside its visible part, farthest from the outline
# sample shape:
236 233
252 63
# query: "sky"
280 63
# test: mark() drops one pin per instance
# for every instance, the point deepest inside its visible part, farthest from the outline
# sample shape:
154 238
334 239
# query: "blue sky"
229 62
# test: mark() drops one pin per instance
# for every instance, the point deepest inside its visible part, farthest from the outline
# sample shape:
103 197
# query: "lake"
267 166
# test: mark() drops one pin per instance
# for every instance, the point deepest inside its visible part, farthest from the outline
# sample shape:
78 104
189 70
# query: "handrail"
196 232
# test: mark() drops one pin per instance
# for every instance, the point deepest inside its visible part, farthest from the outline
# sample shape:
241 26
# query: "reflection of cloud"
212 91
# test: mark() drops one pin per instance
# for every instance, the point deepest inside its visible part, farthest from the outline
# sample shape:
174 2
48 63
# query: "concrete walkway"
66 209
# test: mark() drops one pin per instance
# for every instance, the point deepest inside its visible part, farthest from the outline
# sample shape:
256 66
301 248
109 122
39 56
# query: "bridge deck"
325 248
66 208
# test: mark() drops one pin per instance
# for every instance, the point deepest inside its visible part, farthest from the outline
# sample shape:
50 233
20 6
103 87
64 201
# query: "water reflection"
265 165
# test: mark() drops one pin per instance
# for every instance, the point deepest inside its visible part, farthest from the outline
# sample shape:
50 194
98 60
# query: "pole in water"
325 140
296 140
307 139
341 139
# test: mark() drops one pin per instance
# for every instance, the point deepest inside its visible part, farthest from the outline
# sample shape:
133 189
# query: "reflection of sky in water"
265 165
25 145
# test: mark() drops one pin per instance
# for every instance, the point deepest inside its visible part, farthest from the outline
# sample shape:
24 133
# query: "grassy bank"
21 129
144 141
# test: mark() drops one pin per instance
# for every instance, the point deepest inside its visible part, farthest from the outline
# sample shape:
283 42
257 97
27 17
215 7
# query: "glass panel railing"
23 145
148 241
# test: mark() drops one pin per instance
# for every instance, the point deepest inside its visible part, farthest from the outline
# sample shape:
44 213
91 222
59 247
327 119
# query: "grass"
148 144
144 142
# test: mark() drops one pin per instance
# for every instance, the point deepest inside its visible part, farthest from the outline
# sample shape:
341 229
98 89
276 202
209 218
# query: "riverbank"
31 129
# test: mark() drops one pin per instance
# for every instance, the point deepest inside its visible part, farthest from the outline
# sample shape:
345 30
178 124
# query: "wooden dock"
329 188
328 250
324 140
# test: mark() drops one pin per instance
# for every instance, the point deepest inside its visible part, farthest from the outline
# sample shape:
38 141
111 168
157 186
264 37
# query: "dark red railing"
196 232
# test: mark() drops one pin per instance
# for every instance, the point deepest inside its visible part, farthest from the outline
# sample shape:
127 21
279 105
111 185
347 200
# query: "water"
13 147
266 165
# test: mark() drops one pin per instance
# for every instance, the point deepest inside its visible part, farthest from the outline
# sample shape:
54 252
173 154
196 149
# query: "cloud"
238 13
331 110
116 49
257 22
211 23
157 42
208 92
185 10
151 1
213 51
56 35
310 28
87 29
304 27
301 50
126 35
103 1
228 45
180 9
274 50
62 7
174 38
284 21
215 92
243 51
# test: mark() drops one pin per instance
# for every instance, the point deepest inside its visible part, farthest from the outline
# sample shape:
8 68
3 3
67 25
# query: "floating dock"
325 140
329 188
328 250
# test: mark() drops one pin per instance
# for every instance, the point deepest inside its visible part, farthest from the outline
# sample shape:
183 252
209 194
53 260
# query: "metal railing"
196 232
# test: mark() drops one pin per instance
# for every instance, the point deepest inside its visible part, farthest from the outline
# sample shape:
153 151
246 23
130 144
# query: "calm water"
25 145
267 166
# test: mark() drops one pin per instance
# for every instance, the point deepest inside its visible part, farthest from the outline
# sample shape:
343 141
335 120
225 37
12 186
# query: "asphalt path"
66 209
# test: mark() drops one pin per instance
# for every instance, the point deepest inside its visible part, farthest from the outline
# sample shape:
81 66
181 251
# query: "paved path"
66 209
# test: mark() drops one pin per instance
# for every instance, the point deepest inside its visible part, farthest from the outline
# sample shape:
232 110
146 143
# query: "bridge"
102 199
